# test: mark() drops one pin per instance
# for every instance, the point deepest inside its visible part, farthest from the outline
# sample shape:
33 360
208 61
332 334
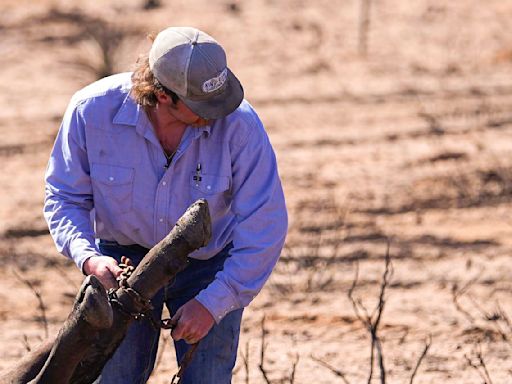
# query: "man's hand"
193 322
105 268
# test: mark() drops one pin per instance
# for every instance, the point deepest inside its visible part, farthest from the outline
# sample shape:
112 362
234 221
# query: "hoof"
93 303
195 225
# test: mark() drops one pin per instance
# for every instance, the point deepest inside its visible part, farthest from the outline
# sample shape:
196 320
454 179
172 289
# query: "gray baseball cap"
193 65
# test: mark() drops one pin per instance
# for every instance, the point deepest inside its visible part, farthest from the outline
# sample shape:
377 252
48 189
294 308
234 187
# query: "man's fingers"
110 272
194 322
187 333
178 332
107 279
105 268
191 337
126 261
177 315
112 283
114 268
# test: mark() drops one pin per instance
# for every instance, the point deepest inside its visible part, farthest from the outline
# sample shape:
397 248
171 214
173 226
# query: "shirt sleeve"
262 223
68 191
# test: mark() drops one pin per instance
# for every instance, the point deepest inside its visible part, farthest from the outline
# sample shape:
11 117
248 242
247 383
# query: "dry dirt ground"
411 142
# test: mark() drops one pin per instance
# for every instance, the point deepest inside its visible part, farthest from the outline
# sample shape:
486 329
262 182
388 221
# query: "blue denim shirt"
107 179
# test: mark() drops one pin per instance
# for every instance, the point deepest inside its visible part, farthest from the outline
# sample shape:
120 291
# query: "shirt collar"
128 113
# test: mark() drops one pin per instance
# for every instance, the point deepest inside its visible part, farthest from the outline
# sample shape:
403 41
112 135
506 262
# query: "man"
133 152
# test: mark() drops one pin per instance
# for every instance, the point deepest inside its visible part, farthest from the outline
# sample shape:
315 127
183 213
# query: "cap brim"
220 105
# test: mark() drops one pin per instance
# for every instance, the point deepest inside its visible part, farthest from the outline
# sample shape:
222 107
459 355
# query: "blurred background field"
399 128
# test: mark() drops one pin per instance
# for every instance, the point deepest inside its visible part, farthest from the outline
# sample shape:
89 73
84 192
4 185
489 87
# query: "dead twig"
479 365
294 367
504 317
458 292
66 278
403 337
262 355
372 321
496 317
26 344
37 294
336 371
290 379
245 358
103 37
428 343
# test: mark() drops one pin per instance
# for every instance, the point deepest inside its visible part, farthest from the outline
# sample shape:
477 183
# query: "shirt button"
208 187
164 183
161 220
111 178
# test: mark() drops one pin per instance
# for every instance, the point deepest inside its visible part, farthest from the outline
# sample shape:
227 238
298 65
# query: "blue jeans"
215 357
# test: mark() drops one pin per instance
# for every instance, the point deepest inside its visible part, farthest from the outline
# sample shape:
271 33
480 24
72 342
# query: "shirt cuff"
80 263
81 253
218 299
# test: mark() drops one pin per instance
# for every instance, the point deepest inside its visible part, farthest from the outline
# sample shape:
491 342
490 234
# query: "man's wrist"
210 311
86 266
218 300
85 261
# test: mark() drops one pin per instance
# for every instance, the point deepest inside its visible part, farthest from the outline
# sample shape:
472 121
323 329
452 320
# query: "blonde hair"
145 85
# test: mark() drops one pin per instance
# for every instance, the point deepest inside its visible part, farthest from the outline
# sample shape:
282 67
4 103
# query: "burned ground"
410 143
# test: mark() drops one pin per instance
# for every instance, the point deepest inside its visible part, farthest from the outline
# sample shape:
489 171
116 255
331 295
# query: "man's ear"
163 98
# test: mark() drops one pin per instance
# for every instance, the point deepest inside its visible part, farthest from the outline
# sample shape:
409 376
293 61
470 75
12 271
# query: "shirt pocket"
210 187
113 187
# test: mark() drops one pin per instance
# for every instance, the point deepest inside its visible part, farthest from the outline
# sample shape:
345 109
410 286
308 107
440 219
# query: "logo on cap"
215 83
